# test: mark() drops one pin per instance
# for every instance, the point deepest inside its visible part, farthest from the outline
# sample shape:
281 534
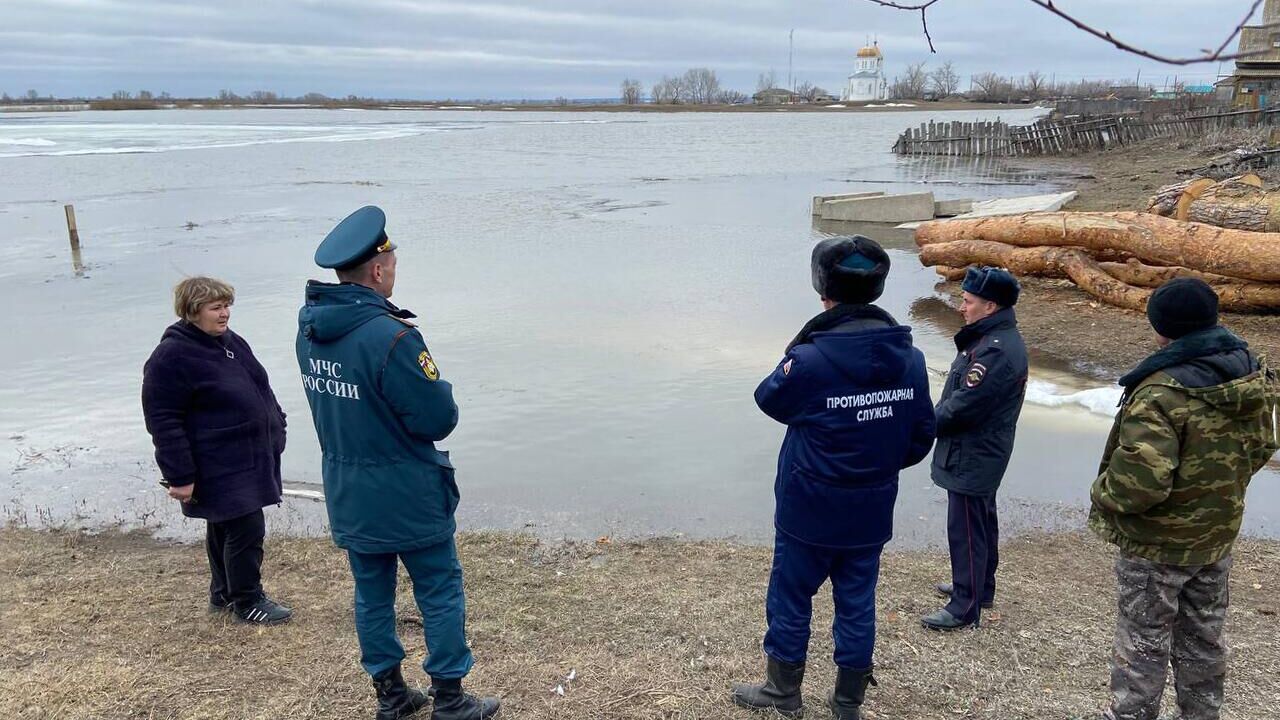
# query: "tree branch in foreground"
1219 55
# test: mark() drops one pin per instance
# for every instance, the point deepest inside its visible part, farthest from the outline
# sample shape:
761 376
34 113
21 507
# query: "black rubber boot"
453 704
395 699
851 689
780 691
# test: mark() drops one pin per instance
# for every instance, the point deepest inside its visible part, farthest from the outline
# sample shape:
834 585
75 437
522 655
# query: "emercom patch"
428 366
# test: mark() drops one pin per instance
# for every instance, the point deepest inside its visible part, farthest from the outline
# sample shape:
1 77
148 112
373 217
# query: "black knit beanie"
1182 306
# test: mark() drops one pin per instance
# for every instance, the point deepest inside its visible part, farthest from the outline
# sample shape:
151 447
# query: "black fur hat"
991 283
849 269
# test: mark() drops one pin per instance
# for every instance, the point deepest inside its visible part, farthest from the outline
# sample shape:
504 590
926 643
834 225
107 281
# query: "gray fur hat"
849 269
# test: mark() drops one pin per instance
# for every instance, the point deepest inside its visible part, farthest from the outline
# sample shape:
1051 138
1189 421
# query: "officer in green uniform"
379 405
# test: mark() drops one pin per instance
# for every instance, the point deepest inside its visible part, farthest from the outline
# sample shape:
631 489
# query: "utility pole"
791 54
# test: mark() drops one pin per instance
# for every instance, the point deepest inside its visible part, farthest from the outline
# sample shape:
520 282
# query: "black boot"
395 699
780 691
851 688
453 704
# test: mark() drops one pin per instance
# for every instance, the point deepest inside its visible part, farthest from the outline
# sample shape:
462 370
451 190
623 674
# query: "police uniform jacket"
214 422
379 406
854 396
980 404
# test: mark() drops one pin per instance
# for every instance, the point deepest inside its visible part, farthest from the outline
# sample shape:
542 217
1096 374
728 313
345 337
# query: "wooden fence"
1065 136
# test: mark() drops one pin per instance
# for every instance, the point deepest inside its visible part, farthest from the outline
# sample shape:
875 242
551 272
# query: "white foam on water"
124 139
28 142
1100 400
58 139
567 122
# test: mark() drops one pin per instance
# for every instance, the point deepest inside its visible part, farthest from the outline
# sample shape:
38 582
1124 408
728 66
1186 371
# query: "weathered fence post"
77 262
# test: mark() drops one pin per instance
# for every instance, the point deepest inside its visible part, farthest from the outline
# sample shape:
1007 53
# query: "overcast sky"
507 49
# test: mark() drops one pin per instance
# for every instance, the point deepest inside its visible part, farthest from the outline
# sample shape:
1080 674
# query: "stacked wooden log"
1238 202
1117 257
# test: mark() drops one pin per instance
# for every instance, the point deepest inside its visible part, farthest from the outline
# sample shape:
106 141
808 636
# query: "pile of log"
1238 202
1116 257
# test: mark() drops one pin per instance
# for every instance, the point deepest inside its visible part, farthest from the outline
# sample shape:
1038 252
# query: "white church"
867 81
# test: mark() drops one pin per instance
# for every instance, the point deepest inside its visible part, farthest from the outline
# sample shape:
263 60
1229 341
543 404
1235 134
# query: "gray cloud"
577 48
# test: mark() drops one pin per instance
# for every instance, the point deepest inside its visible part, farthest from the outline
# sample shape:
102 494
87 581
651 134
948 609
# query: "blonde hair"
191 294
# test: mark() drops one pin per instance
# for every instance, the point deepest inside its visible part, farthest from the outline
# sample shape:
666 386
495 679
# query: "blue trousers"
437 589
973 534
799 569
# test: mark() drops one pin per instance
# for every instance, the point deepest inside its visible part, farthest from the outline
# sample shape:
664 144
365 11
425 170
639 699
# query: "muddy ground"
1068 325
114 626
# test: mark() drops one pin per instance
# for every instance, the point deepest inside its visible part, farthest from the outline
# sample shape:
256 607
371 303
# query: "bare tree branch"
1219 55
924 21
1239 28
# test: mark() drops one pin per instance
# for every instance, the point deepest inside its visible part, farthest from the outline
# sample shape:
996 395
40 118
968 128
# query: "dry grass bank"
114 626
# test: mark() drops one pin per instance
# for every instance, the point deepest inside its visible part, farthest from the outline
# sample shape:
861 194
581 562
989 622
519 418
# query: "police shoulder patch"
786 367
974 376
428 366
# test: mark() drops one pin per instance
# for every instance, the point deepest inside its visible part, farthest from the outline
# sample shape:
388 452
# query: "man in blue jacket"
379 404
977 416
853 393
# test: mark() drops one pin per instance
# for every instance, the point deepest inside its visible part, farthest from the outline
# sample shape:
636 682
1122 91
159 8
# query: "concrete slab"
951 208
884 209
818 200
1010 206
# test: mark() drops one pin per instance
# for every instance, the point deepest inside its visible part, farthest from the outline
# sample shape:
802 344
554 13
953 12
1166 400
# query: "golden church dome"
869 51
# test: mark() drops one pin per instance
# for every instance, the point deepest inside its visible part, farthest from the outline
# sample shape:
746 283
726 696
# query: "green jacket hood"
332 311
1232 382
1240 398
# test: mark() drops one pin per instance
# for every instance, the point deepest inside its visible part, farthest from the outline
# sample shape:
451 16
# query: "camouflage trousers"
1169 613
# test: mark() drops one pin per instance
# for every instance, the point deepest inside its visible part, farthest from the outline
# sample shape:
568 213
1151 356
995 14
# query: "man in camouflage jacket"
1194 426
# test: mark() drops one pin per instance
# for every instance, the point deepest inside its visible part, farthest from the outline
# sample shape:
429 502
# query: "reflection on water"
604 291
937 313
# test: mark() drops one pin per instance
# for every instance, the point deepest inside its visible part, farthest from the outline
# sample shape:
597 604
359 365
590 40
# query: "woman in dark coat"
219 433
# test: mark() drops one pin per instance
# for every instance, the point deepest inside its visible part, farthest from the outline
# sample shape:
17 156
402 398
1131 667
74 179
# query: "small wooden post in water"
76 261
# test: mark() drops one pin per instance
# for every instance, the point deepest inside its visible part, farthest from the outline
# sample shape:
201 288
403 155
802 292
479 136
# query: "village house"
1257 78
775 96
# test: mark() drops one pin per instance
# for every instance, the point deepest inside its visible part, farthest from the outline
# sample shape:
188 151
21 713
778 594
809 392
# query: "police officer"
379 404
976 419
853 393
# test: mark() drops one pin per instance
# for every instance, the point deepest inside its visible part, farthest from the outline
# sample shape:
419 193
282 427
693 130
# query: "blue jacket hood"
867 358
332 311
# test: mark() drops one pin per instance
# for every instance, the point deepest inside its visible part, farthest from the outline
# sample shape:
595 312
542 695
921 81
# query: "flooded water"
604 291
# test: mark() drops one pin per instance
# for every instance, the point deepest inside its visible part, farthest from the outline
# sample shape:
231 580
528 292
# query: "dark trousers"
799 569
973 534
235 559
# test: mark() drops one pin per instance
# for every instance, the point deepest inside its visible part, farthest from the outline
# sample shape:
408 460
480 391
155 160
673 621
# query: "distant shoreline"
884 106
